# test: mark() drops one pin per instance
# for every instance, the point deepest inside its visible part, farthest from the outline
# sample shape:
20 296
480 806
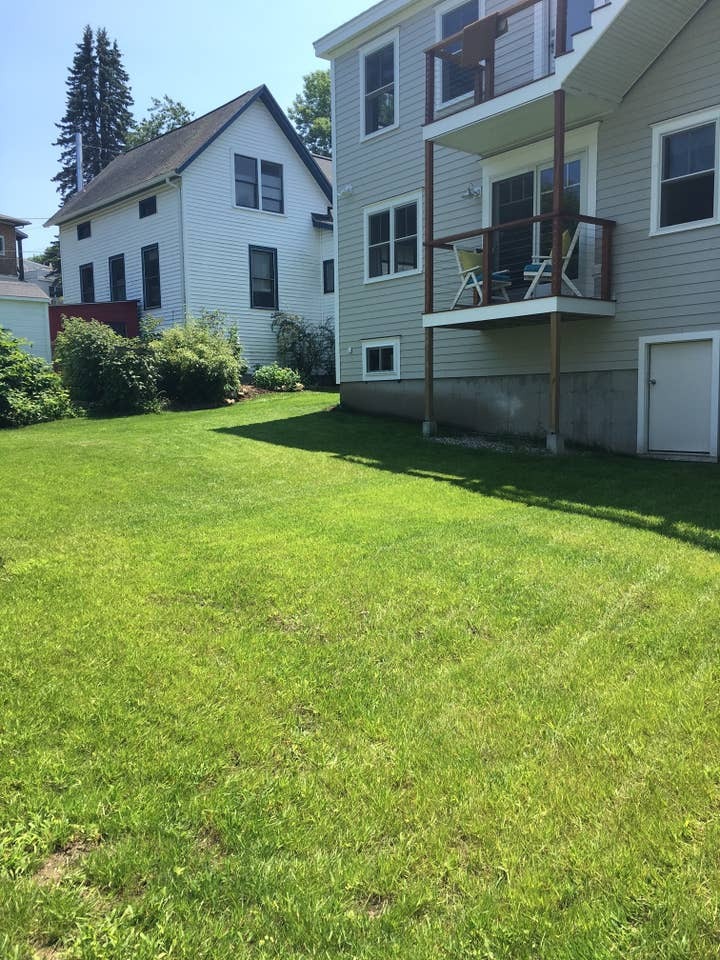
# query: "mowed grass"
279 681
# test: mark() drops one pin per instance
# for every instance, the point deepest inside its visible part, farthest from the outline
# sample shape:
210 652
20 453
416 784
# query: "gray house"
569 151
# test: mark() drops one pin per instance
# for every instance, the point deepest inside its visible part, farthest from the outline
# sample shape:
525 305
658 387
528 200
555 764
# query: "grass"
282 682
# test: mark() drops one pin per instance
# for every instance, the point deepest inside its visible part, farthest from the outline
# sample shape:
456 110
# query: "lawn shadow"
673 499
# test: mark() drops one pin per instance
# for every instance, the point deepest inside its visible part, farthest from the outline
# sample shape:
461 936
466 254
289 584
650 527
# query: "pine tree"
98 106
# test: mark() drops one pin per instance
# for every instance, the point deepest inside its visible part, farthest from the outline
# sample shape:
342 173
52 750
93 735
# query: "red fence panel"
121 315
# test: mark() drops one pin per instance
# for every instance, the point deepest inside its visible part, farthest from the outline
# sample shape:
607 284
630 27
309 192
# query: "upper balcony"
490 86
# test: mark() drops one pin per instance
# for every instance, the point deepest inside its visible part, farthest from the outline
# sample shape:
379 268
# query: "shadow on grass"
676 500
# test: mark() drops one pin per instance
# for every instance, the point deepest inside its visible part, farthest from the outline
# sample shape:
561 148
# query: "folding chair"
470 269
541 272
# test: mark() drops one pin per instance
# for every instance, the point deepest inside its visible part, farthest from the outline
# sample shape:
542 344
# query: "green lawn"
277 681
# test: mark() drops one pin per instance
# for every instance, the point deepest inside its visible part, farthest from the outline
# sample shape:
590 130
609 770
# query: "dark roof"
14 289
13 220
322 220
171 153
325 164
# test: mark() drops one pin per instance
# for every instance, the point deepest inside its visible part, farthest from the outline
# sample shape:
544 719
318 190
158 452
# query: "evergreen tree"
310 113
98 106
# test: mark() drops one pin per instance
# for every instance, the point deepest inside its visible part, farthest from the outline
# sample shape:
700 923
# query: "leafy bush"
306 347
105 371
29 390
274 377
200 362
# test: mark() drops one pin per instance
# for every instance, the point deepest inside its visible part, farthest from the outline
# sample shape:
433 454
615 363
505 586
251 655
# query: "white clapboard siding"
218 234
119 229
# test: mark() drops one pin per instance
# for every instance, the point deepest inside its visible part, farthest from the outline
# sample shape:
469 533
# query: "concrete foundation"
596 409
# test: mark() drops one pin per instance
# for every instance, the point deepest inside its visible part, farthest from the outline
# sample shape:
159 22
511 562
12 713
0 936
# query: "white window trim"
390 204
645 343
258 161
377 44
394 374
440 11
661 130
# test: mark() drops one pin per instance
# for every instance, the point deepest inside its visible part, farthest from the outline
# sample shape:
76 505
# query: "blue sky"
203 54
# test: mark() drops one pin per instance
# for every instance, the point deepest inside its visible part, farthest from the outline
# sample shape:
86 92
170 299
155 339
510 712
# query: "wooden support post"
561 28
429 87
429 425
554 439
558 192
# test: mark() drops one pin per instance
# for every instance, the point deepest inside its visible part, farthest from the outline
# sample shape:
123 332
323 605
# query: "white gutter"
328 46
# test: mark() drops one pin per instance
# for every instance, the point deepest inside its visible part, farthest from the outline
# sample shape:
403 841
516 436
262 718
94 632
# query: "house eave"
59 221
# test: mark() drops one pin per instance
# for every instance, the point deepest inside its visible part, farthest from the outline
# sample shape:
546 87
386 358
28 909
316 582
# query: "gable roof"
13 289
171 153
325 164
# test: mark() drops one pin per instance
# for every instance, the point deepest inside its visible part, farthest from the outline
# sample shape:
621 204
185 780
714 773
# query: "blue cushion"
534 268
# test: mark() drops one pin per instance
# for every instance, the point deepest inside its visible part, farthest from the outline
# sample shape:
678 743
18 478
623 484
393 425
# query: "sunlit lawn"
278 681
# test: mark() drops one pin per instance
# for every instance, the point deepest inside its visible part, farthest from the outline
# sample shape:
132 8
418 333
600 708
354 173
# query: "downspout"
176 183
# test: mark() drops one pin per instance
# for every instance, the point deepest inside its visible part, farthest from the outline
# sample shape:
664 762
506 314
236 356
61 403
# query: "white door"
680 397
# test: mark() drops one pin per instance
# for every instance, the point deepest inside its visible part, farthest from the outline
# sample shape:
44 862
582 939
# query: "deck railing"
513 247
503 55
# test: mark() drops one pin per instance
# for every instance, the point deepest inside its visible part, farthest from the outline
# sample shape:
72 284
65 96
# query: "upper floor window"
83 230
2 246
116 266
259 184
685 173
263 278
452 18
392 241
151 276
328 276
147 207
379 75
87 283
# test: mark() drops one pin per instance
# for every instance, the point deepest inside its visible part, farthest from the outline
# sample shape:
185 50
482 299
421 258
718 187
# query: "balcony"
530 280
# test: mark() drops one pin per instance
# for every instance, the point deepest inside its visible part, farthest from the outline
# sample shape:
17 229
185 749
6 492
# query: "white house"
229 212
23 303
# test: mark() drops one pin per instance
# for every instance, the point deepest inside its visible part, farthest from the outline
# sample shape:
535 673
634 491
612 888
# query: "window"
328 276
87 283
455 81
151 276
246 182
272 186
685 173
263 278
2 246
378 64
147 207
117 277
83 230
392 241
381 359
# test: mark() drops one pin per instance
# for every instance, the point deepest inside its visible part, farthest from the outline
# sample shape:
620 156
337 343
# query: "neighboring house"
40 274
229 212
572 150
23 303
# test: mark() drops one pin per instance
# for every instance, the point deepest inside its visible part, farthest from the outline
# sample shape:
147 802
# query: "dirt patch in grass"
58 863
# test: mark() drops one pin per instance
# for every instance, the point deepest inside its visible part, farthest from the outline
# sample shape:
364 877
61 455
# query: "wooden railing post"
487 268
429 87
606 269
561 28
558 192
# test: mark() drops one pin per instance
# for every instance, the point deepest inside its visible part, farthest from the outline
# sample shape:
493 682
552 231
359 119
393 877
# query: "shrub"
199 362
105 371
29 390
306 347
274 377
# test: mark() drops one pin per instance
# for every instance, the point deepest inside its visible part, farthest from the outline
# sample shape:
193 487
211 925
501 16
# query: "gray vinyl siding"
661 283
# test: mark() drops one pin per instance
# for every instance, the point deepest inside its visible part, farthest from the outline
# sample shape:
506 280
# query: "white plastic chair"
541 272
470 268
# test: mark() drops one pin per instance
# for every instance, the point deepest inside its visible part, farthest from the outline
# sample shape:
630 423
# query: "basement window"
381 359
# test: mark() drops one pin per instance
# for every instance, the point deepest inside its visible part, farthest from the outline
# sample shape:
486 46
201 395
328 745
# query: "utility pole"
79 162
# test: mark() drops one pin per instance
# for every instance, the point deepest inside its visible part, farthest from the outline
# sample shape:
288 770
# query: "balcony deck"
519 313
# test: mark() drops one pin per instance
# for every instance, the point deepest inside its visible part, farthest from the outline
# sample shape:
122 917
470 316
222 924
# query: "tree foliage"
310 113
163 116
98 103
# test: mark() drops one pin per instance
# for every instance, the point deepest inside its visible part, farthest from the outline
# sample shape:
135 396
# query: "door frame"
643 430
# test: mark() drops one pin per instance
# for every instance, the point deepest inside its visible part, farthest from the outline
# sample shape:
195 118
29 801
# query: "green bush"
306 347
104 371
200 362
274 377
29 390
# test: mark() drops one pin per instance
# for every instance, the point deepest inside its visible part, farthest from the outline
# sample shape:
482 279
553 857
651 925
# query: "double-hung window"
259 185
392 241
328 276
455 81
151 276
263 278
686 172
379 80
381 359
87 283
117 277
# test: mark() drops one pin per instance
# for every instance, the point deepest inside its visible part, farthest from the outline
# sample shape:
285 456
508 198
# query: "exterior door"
680 397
